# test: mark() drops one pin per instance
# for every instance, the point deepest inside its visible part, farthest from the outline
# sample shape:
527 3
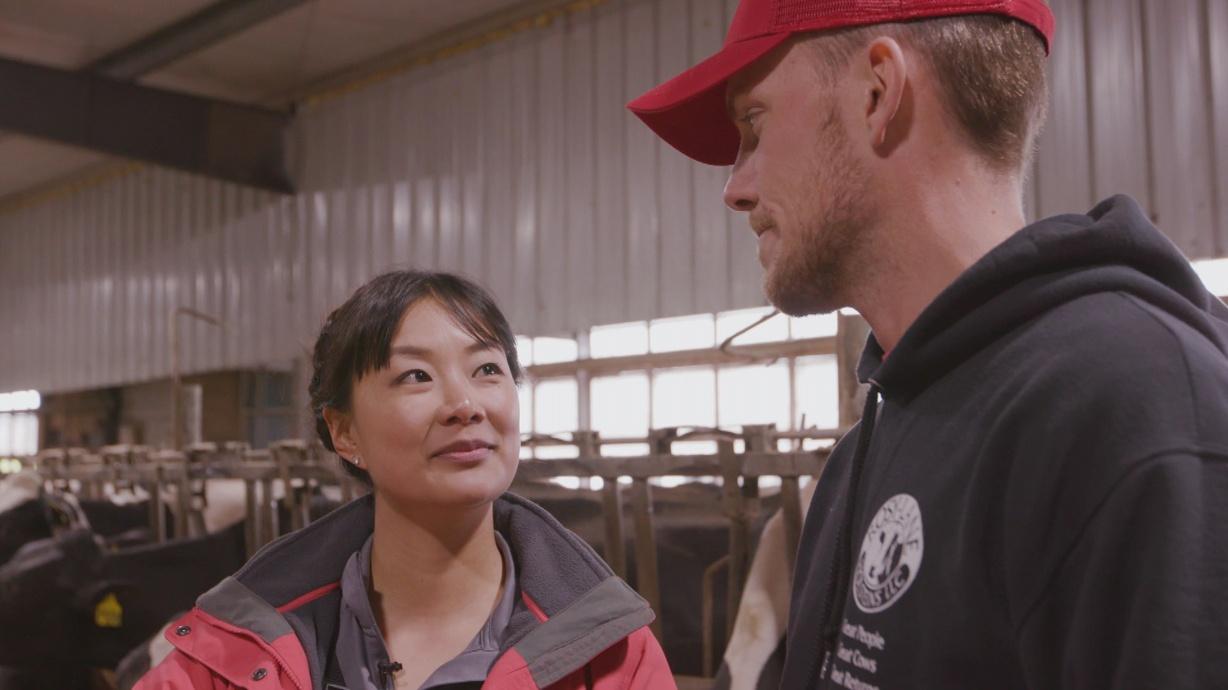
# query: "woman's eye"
415 375
490 369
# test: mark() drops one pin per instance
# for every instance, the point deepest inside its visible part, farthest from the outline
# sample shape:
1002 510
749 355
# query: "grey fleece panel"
593 623
316 627
277 572
553 565
234 603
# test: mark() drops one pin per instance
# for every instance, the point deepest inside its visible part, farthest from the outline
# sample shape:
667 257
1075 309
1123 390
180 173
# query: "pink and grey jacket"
271 626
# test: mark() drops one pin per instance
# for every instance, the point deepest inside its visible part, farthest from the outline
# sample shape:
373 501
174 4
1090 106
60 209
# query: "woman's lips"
466 456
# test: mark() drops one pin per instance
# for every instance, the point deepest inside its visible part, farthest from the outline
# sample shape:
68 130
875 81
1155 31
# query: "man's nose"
740 189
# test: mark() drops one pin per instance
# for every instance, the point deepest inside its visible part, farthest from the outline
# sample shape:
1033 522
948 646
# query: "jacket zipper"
838 574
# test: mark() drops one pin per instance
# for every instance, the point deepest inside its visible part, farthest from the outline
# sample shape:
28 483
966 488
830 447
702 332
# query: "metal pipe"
176 381
791 513
615 533
184 526
589 444
739 531
268 506
646 571
251 527
282 453
708 614
157 516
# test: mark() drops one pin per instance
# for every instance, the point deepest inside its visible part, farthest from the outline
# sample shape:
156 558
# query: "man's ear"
886 73
341 429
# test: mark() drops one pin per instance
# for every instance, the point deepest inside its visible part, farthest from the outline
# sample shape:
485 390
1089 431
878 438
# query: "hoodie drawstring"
838 581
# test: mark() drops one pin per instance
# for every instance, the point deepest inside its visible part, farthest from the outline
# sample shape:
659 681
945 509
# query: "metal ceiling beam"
238 143
184 37
189 35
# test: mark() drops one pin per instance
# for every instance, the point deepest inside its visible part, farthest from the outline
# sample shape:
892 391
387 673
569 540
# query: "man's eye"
490 369
415 375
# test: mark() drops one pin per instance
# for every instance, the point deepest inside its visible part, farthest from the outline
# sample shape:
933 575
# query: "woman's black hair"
356 338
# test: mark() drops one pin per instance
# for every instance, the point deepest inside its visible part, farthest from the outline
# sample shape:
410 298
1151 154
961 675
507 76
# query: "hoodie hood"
1114 248
570 605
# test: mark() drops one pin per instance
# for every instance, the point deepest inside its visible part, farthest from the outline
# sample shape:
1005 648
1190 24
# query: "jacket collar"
570 608
1114 248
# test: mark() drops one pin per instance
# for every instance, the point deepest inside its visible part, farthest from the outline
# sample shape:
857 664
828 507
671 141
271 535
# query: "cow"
754 657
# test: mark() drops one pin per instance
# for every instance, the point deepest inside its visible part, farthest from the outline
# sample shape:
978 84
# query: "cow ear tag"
108 613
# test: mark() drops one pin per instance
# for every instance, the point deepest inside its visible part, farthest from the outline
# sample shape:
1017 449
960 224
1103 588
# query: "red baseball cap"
688 111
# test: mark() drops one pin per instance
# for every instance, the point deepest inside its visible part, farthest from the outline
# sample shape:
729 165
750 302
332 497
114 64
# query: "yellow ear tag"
108 613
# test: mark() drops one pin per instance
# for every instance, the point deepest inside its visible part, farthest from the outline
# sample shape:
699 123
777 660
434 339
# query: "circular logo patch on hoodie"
890 554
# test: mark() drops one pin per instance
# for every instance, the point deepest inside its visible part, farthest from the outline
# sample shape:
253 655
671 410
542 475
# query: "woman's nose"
463 412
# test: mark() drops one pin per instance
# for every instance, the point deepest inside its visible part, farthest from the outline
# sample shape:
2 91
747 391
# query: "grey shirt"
360 644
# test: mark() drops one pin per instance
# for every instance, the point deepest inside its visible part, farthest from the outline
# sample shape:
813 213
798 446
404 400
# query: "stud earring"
357 461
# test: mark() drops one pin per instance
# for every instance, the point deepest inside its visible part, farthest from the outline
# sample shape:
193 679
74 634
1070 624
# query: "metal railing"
300 469
739 473
297 468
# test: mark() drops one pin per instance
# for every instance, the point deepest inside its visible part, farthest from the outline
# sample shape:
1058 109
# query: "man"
1041 498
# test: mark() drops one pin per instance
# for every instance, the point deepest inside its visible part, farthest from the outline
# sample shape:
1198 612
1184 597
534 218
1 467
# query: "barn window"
730 322
550 350
681 333
620 405
675 384
684 397
526 408
815 384
18 425
1214 275
619 339
816 326
524 350
555 412
754 394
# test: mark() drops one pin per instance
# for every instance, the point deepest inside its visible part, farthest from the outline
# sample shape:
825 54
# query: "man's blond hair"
991 70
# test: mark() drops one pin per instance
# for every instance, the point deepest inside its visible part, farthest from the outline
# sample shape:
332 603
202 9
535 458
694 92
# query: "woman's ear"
341 429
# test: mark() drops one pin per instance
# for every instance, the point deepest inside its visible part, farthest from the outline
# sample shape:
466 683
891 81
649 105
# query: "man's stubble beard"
815 271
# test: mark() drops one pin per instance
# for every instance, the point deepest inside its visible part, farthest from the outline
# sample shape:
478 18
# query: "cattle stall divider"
288 473
739 473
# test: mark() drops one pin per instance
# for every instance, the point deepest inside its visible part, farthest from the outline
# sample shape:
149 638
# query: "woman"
438 578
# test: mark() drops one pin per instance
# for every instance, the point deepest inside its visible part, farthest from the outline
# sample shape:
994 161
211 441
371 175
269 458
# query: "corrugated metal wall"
518 165
1139 104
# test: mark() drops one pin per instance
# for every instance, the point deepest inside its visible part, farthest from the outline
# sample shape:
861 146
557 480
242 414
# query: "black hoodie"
1041 499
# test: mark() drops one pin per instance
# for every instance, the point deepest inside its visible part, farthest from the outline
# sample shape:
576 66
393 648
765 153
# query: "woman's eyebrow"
411 350
415 351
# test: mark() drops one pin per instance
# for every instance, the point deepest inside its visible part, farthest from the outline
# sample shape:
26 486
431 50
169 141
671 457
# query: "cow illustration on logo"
890 554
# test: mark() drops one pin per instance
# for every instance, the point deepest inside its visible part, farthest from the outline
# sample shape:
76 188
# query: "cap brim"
688 111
